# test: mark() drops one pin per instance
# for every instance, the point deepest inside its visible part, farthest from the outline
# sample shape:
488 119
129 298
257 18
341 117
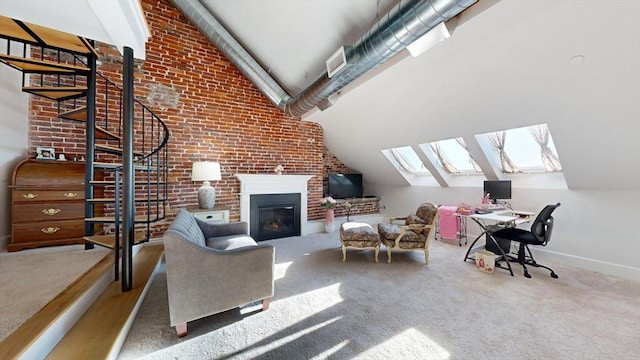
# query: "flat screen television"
342 186
498 189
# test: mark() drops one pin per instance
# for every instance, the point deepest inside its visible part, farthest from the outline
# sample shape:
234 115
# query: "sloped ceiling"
508 66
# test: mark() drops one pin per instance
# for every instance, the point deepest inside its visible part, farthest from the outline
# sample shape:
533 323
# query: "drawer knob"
50 230
30 196
51 211
70 195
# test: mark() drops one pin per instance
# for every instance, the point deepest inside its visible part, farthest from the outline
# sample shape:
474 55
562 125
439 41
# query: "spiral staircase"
126 143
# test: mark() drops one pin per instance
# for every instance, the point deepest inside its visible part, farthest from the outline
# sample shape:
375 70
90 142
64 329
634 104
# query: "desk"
502 218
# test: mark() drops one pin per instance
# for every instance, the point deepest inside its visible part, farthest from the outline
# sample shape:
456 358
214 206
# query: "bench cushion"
358 235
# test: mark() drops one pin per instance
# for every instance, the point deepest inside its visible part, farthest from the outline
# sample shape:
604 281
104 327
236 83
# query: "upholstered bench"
360 236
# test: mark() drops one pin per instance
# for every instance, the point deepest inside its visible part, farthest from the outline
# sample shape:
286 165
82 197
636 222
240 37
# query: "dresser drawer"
35 195
26 213
47 230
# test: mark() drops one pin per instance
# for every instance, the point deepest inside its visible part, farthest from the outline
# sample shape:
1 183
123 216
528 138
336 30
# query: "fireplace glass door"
274 216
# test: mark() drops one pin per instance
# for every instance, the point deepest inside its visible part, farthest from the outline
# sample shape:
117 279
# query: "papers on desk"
494 216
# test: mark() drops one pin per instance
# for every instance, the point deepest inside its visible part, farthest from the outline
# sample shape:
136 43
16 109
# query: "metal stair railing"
150 133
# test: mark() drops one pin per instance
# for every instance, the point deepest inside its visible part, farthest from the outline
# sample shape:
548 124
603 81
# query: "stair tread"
80 114
112 183
29 65
24 336
10 28
56 92
110 240
50 37
114 149
110 219
116 165
102 133
108 200
77 114
109 316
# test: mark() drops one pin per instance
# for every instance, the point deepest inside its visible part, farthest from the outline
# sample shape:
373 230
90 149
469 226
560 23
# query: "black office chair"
540 234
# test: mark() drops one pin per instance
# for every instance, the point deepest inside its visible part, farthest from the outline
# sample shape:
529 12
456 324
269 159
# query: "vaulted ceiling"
509 63
571 64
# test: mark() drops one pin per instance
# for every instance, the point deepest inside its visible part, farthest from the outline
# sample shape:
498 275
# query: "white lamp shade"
205 171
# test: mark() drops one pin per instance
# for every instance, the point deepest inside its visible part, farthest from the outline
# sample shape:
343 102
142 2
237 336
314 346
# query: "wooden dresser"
47 204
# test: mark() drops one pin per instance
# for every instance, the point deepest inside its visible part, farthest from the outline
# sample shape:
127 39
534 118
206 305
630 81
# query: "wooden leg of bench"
181 329
265 304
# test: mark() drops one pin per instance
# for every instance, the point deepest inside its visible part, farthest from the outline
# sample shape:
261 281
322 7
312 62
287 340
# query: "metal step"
140 219
104 165
112 183
78 114
104 134
36 66
114 150
58 93
109 241
39 35
138 199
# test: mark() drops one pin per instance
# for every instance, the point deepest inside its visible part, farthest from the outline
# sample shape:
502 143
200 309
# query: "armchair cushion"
414 234
414 219
391 231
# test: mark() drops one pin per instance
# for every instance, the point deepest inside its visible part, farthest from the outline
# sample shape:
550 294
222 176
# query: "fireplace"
267 184
274 216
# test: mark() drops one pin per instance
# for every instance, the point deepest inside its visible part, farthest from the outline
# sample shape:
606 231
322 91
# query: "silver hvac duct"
403 24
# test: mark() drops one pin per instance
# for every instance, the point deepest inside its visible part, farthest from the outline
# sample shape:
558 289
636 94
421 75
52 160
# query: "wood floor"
100 332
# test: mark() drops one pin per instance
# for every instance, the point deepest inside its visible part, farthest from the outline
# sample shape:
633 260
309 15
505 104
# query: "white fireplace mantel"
256 184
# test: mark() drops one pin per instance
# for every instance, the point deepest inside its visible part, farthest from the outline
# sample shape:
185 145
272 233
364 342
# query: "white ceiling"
293 38
507 64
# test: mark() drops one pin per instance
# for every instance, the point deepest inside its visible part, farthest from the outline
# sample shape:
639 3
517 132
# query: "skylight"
526 150
409 165
453 156
408 161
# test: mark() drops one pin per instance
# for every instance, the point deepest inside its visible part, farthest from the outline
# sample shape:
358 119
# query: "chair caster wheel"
527 275
554 275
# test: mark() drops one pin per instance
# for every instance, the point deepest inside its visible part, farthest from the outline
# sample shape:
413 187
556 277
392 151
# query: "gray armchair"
212 268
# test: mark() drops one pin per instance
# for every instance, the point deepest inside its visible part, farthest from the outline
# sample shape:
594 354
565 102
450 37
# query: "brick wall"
218 115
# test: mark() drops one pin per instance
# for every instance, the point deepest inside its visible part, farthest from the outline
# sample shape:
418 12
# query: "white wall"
594 230
14 146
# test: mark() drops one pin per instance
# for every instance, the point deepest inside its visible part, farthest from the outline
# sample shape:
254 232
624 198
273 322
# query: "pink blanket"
448 222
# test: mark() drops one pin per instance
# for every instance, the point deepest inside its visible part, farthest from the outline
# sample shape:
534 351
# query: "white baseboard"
599 266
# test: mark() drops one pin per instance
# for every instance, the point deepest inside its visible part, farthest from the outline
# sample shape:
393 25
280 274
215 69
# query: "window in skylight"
527 149
408 161
454 157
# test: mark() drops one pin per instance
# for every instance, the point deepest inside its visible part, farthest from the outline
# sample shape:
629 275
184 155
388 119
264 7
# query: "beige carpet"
29 279
326 309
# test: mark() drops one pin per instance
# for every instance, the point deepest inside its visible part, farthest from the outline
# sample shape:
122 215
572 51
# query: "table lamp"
206 171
